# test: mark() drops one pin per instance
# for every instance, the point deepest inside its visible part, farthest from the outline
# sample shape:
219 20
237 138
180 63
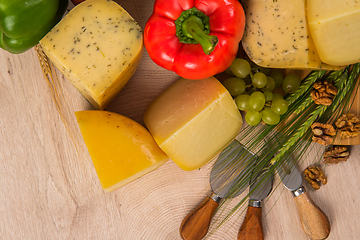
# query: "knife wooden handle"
252 229
196 224
313 220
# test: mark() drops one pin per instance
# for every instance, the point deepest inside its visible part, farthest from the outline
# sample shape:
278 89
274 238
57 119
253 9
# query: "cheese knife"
233 165
313 220
260 187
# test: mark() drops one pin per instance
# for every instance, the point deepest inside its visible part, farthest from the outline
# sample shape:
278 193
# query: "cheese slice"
121 149
193 120
335 28
277 35
98 47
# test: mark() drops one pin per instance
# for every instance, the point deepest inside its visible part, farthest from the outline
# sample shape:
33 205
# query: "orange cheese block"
121 149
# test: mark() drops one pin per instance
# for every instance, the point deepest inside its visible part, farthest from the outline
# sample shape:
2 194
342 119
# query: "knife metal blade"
227 179
313 220
290 176
233 164
260 187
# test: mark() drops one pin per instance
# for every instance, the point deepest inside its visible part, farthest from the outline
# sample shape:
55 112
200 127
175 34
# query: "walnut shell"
323 93
349 125
336 154
323 133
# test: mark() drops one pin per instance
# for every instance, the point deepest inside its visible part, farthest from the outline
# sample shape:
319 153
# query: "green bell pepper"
23 23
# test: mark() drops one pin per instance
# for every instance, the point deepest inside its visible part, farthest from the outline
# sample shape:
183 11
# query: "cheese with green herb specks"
335 28
277 36
98 47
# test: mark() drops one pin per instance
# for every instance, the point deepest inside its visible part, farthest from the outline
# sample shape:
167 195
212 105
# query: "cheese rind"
277 36
193 120
98 47
335 28
121 149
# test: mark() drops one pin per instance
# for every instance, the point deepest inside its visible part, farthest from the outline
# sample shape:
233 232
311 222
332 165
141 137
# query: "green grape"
257 101
277 76
277 96
270 86
291 83
279 106
235 86
240 67
252 117
268 96
259 80
269 116
242 102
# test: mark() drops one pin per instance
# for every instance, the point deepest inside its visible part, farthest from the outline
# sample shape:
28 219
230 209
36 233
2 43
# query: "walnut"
323 133
336 154
323 93
349 125
314 175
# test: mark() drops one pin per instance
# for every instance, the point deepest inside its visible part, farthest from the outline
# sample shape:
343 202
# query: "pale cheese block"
193 120
98 47
335 28
121 149
277 36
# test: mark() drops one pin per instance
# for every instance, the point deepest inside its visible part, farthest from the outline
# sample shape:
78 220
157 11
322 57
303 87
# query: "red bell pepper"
194 38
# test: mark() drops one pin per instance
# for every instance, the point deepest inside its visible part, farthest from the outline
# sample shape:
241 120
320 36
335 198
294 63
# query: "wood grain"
49 188
252 229
197 223
313 220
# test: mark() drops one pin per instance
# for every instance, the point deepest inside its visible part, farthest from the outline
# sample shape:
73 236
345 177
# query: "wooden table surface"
49 188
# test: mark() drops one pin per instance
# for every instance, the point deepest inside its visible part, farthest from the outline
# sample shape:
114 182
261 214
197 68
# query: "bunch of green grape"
255 88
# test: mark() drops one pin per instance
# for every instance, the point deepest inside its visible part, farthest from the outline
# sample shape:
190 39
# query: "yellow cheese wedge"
98 47
277 36
193 120
335 28
121 149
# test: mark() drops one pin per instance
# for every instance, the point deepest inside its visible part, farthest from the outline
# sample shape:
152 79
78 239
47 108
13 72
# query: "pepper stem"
192 27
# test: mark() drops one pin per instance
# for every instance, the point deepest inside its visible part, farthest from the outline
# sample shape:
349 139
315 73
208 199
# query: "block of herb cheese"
121 149
193 120
335 28
277 36
98 47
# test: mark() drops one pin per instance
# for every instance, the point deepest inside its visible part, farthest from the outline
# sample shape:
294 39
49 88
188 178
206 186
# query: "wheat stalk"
59 99
334 76
344 88
298 128
307 82
304 105
347 84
